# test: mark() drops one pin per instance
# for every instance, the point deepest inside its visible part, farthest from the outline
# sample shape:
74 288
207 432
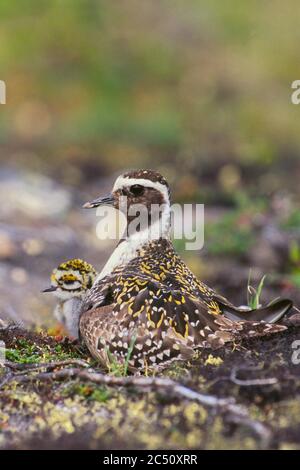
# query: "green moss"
101 395
87 391
176 370
28 352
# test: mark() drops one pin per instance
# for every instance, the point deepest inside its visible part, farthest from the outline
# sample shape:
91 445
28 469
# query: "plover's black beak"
106 200
49 289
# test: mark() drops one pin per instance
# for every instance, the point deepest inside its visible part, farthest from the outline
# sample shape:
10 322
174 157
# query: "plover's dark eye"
137 189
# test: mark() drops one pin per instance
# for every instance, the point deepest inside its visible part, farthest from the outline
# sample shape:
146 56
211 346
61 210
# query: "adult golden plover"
148 300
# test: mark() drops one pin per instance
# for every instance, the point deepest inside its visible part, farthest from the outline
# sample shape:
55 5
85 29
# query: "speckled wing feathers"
157 306
106 331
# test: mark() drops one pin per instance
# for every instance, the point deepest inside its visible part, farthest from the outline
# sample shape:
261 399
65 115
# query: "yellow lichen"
213 361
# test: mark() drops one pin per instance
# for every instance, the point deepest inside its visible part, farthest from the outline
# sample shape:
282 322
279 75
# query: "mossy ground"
72 414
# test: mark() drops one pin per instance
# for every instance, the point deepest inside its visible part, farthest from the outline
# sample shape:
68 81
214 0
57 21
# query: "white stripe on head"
125 182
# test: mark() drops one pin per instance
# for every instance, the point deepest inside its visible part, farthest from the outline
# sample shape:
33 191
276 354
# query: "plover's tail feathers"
272 313
241 330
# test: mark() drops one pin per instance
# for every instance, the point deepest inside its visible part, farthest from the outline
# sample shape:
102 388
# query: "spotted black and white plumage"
148 300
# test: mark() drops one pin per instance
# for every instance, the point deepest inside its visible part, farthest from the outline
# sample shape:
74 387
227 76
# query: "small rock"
33 246
7 247
19 275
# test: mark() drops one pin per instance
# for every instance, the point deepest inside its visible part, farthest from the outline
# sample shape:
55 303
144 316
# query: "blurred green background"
96 86
198 90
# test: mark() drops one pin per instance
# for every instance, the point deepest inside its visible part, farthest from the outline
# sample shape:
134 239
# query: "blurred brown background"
200 91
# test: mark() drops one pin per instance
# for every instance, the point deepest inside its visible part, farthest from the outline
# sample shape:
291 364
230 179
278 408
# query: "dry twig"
21 367
250 382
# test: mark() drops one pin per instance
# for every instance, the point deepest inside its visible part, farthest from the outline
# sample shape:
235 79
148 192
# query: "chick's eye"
69 282
137 190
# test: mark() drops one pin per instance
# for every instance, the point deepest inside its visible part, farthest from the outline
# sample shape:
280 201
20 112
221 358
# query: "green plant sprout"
120 369
253 295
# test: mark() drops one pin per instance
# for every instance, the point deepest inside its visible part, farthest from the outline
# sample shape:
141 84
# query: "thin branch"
250 382
44 365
